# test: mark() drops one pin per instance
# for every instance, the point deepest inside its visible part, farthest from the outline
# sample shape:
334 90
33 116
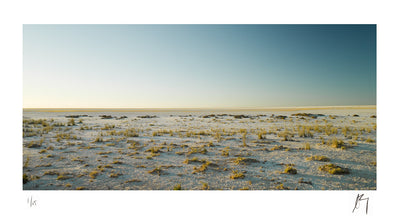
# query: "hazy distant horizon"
126 109
198 66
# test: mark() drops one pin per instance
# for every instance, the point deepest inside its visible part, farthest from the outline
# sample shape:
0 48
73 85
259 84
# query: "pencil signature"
358 200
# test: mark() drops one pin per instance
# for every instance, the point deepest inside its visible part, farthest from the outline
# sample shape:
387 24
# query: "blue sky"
206 66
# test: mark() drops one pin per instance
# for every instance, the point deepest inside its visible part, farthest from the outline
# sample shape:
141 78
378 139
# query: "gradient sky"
190 66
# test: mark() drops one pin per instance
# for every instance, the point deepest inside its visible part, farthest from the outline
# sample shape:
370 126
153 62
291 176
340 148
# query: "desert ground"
316 149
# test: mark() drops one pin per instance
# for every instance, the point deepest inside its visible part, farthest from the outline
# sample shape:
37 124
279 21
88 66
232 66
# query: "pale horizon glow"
198 66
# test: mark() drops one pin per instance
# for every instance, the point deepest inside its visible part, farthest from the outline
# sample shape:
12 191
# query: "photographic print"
199 107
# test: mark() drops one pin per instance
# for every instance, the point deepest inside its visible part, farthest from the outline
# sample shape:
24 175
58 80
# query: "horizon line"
143 109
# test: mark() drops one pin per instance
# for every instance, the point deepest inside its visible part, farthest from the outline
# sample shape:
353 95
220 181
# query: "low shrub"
290 170
178 187
244 161
334 169
237 175
318 158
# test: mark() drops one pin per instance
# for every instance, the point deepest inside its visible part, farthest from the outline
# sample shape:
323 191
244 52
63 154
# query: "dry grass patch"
203 167
194 160
104 152
334 169
94 174
180 152
285 136
237 175
281 187
51 172
115 175
305 131
108 127
155 150
178 187
34 144
290 170
244 161
44 165
301 180
280 147
25 178
225 152
63 177
369 140
132 181
117 162
306 147
318 158
197 150
157 171
205 186
77 159
336 143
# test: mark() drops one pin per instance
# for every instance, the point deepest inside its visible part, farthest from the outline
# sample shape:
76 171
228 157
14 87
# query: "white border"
216 204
